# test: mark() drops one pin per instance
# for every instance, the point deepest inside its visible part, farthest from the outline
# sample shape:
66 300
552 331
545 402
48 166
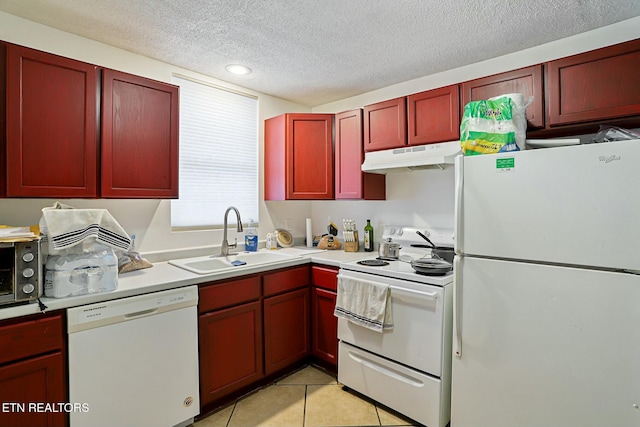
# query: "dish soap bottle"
368 237
251 237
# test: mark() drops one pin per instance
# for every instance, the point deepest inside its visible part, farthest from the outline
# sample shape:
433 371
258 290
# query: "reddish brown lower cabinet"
596 85
230 350
385 125
298 157
351 182
139 137
527 81
324 325
434 116
230 331
33 371
286 336
52 125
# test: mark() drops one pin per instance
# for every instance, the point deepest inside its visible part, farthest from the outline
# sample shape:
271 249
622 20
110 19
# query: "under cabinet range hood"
410 158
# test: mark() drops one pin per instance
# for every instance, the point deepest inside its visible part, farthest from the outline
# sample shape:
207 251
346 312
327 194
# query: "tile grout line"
235 403
304 408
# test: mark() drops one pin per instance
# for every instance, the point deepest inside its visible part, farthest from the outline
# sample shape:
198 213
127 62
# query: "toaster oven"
20 272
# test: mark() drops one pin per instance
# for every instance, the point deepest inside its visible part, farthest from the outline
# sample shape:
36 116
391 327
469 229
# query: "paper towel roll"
309 234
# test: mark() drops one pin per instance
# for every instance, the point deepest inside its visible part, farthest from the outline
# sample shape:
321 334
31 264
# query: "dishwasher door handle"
140 313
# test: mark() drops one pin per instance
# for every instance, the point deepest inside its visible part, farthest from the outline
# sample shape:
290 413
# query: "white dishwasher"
134 361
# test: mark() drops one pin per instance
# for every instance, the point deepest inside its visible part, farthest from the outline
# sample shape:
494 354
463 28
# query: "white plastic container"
79 274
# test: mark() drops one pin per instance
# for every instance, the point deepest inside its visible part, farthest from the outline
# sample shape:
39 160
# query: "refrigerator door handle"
459 179
457 306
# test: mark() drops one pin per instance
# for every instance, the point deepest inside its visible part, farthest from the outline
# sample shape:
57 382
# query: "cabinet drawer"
286 280
31 337
325 277
219 295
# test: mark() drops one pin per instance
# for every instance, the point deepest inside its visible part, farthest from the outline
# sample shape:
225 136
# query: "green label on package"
505 164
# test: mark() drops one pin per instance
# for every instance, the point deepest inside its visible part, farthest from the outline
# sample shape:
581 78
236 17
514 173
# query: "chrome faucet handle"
234 244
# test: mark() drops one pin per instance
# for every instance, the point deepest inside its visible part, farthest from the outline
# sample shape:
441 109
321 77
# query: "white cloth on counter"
364 302
66 228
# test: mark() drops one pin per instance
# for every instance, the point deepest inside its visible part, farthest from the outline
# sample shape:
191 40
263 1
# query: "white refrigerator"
546 301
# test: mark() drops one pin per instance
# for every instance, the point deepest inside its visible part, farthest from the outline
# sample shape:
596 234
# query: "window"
218 155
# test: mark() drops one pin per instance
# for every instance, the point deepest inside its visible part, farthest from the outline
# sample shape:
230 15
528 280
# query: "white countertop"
163 276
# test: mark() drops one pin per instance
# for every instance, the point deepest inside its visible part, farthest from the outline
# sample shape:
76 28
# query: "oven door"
421 314
7 273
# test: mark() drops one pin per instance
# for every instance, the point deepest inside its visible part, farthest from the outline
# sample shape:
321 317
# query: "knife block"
352 246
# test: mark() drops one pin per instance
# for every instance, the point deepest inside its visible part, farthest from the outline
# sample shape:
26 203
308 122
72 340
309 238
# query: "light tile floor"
309 397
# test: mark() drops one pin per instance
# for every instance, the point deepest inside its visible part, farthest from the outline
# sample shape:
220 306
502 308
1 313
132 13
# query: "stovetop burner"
373 262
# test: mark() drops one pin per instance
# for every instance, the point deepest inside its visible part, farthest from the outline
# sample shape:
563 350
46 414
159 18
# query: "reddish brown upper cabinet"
33 370
434 116
139 137
52 125
385 125
597 85
3 117
298 157
527 81
351 182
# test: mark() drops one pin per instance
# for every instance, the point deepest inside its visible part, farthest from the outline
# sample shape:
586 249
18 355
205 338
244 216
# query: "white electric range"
407 368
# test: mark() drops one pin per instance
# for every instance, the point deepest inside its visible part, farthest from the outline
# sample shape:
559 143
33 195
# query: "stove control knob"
400 232
28 288
28 272
28 257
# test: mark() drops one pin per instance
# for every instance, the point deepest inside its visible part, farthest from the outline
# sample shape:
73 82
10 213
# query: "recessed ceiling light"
240 70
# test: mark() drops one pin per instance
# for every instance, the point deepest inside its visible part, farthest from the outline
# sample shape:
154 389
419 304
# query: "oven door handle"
430 295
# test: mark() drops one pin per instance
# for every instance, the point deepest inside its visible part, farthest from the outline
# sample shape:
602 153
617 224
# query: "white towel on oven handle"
364 302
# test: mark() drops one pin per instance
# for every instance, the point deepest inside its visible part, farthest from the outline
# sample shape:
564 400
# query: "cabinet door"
527 81
3 116
351 182
385 125
597 85
286 329
298 157
34 381
324 326
52 125
139 137
230 350
309 156
434 116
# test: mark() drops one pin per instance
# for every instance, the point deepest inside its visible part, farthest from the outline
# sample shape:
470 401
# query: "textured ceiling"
317 51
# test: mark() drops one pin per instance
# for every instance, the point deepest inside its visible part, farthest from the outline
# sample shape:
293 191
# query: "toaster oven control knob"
28 257
28 272
28 288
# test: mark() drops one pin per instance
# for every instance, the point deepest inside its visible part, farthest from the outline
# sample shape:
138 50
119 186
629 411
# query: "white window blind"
218 155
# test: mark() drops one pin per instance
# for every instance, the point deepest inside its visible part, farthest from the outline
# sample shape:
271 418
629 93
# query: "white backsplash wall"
422 198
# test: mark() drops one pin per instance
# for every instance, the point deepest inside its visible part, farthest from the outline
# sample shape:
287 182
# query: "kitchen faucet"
224 249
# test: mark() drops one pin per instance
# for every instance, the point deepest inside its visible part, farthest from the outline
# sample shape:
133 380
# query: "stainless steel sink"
242 260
